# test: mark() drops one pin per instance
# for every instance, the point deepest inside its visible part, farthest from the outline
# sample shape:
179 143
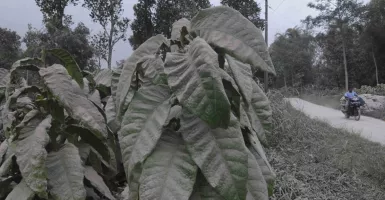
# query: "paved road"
367 127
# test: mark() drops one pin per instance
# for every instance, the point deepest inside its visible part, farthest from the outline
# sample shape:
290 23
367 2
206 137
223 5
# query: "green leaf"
97 182
4 79
88 137
21 192
150 47
195 79
169 172
142 124
256 184
6 166
95 98
203 190
3 150
177 28
70 64
243 77
31 154
260 113
111 115
257 150
228 29
104 78
73 100
65 174
220 154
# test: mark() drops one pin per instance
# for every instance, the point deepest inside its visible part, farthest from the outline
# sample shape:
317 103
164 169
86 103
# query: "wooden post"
266 75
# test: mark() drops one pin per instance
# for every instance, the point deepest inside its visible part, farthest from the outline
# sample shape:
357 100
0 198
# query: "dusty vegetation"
315 161
182 115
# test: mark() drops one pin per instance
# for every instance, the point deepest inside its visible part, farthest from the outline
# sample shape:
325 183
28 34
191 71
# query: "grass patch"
313 160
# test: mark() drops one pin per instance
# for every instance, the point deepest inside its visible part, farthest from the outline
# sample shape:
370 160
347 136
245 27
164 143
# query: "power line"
279 5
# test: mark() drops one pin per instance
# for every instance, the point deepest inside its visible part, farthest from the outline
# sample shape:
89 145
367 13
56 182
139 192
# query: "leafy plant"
191 124
57 144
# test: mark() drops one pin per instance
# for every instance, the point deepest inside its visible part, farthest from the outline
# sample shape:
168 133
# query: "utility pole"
266 76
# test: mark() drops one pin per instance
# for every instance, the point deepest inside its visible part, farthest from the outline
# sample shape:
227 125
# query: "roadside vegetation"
313 160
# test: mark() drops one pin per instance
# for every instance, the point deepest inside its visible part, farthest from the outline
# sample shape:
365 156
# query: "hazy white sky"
17 14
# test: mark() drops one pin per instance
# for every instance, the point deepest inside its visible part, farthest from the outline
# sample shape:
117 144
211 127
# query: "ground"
314 160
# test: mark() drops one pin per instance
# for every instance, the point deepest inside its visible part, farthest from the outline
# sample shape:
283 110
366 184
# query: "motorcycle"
354 109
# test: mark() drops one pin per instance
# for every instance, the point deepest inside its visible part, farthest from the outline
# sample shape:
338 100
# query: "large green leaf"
104 78
150 47
75 102
70 64
88 137
220 154
97 182
6 166
31 154
203 190
3 150
112 121
256 184
195 79
228 29
3 74
21 192
65 174
260 113
4 79
243 77
169 172
257 150
142 124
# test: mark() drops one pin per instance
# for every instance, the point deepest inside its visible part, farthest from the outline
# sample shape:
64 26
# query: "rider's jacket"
350 94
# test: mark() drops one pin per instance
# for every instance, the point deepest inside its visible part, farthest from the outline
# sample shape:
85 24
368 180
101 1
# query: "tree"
372 37
248 8
156 17
338 15
53 11
193 120
293 55
169 11
108 14
74 41
9 47
142 26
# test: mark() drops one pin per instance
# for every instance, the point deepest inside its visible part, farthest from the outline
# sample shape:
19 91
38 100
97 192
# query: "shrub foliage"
191 119
183 115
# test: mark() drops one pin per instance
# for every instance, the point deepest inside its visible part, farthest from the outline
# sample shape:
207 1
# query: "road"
369 128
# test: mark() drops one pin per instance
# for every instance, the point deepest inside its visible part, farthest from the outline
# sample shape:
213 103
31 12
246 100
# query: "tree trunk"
375 64
345 66
110 47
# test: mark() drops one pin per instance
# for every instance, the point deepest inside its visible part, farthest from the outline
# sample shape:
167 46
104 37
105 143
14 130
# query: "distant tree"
75 41
337 16
373 37
293 54
249 8
53 11
157 16
9 47
169 11
108 13
142 26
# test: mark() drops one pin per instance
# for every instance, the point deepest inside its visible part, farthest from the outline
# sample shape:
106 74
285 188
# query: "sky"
17 14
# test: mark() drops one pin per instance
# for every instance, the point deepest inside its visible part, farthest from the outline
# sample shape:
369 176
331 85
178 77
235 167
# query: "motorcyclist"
348 96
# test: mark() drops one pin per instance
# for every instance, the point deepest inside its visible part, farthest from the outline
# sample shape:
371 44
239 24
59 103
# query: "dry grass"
315 161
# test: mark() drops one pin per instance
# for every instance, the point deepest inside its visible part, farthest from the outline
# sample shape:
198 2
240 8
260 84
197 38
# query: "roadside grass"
313 160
